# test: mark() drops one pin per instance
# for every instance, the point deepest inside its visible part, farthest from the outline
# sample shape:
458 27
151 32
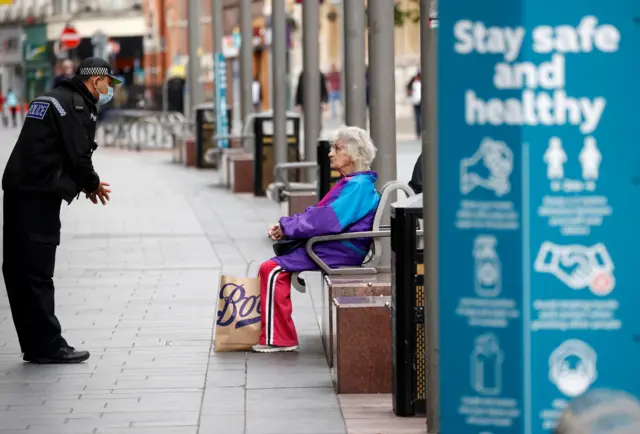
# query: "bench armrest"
281 169
338 237
346 236
217 138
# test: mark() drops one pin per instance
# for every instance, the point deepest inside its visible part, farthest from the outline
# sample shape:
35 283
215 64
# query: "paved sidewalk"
136 285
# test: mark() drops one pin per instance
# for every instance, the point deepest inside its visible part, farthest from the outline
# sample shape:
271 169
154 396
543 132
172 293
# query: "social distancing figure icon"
555 157
590 158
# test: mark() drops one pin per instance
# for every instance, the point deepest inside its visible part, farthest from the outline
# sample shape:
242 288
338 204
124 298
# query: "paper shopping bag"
238 319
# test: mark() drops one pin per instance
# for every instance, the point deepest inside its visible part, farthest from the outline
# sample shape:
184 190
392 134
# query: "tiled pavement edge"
136 285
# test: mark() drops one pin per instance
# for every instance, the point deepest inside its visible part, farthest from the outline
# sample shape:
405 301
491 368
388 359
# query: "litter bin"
327 177
205 130
407 310
264 160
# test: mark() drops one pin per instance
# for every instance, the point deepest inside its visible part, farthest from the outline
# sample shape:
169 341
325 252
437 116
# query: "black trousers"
417 114
31 235
14 115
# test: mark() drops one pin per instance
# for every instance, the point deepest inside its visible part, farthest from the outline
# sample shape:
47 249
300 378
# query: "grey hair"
359 146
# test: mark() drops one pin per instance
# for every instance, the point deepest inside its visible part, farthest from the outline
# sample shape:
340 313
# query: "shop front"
231 51
11 69
38 77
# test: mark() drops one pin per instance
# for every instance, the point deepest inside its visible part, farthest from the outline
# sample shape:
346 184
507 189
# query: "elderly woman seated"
350 206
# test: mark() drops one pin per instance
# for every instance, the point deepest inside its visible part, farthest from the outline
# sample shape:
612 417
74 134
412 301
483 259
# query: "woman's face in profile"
338 157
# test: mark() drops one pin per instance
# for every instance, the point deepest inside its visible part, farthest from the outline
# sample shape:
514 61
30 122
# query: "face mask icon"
489 168
577 266
572 367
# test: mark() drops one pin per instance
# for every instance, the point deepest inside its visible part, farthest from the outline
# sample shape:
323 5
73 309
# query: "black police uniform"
50 162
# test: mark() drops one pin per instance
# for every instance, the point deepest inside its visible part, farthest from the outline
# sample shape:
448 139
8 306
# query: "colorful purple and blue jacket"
350 206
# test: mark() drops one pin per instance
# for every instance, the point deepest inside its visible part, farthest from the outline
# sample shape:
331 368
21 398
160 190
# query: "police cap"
96 66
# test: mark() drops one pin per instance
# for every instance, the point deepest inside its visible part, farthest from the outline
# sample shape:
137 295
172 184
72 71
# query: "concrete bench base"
373 285
189 152
241 176
363 345
298 202
177 153
225 164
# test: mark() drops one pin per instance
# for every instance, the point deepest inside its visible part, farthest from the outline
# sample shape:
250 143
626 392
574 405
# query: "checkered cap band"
94 70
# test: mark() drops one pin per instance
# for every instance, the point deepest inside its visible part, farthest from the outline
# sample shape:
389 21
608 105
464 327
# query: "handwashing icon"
497 158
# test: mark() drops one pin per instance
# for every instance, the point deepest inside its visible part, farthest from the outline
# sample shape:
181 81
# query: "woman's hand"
275 233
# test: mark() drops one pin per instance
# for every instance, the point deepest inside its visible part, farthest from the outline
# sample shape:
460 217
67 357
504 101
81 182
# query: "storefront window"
115 4
57 7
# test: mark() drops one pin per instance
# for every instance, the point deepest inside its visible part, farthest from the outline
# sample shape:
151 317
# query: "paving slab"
136 284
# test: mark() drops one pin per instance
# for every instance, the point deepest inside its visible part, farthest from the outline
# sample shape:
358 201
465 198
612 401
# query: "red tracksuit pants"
275 306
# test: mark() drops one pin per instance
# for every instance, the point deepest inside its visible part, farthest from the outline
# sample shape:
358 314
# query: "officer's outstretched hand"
102 193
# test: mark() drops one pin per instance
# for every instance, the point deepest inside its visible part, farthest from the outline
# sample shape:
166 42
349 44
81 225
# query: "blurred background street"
224 123
136 284
137 281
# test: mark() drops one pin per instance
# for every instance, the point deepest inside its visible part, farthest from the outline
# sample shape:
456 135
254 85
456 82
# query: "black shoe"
301 281
65 355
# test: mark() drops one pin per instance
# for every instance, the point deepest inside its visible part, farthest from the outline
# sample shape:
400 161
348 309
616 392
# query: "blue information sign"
220 85
539 208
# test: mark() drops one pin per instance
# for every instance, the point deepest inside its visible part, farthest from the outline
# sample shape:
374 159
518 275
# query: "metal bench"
281 188
377 232
246 136
140 129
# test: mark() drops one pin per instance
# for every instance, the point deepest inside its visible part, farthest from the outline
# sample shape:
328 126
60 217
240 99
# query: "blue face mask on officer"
104 98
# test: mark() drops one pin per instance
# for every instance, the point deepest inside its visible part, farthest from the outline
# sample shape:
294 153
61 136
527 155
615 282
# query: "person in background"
324 95
416 101
2 116
256 95
416 176
120 97
334 79
409 83
67 72
367 87
13 105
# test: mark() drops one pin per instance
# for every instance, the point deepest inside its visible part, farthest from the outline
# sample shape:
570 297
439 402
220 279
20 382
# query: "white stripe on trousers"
271 289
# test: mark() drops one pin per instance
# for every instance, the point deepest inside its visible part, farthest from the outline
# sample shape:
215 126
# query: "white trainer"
273 349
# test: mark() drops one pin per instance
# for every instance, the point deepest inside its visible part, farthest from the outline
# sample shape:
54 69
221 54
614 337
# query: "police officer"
51 162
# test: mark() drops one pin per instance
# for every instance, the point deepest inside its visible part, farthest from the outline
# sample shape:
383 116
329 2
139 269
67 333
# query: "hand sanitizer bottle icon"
488 273
486 365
